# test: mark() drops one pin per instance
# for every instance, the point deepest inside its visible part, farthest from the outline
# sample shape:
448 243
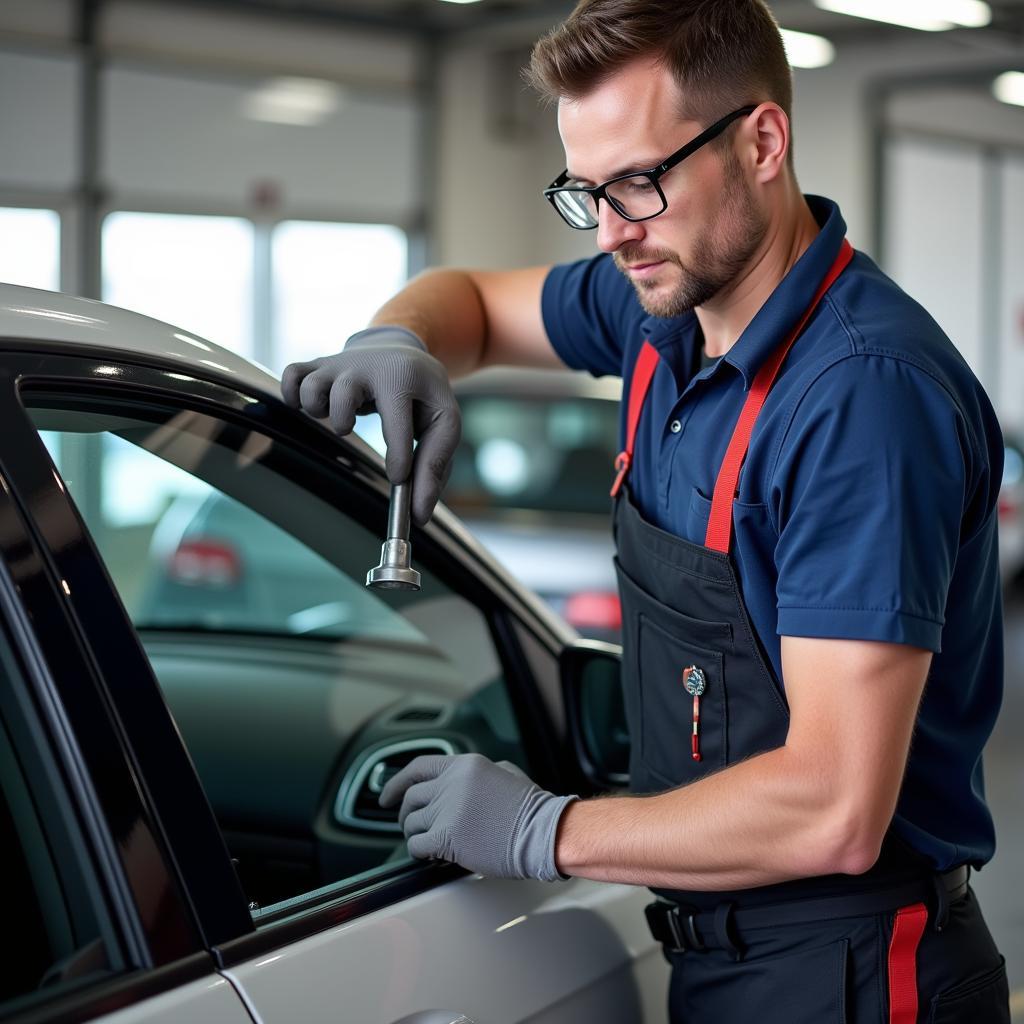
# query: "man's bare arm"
817 805
469 319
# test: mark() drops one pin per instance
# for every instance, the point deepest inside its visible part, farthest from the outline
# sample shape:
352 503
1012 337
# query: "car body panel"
211 1001
33 314
527 951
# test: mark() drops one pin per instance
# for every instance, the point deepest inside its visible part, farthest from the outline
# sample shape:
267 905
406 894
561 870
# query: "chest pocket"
668 650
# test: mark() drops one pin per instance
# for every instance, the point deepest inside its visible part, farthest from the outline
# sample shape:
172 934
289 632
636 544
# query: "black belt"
681 928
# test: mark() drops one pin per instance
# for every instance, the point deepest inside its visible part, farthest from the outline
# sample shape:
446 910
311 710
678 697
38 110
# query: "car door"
237 535
95 920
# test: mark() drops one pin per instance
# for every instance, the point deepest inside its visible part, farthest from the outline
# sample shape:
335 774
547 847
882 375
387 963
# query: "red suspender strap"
719 534
907 930
643 374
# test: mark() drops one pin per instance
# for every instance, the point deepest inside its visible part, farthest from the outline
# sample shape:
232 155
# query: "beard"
720 252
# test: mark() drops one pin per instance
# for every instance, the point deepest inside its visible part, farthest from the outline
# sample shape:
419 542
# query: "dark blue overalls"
700 694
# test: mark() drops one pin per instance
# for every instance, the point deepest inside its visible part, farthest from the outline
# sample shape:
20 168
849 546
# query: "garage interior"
265 173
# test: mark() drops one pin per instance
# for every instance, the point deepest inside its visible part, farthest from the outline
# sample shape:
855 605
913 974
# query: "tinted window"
57 933
297 689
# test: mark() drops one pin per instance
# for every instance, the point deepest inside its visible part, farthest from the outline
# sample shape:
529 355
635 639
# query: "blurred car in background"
1011 513
531 479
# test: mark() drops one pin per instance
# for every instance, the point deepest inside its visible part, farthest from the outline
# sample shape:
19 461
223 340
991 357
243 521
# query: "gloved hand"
488 817
387 370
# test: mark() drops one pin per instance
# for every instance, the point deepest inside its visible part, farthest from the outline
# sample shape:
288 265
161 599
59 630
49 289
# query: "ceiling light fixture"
807 51
1009 87
927 15
300 101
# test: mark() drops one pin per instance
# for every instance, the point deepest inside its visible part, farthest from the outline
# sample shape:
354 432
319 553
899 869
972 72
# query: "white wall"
183 140
38 121
1009 394
935 247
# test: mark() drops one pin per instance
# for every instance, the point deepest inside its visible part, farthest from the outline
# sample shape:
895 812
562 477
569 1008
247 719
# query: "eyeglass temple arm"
704 138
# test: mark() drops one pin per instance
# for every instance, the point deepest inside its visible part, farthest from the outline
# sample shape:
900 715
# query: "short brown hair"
723 54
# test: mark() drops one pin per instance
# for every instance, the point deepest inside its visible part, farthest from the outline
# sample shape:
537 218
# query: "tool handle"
398 512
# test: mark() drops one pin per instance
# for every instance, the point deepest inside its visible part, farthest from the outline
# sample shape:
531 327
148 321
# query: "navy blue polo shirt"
867 502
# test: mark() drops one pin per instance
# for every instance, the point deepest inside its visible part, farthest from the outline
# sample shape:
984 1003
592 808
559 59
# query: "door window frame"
350 475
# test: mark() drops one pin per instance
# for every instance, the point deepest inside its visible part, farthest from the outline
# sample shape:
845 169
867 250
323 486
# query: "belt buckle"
673 925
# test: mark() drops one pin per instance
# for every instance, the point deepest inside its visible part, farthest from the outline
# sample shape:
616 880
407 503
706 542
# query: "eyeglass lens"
634 198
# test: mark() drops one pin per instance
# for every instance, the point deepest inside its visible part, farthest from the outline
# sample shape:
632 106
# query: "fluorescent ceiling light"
301 101
928 15
1009 87
460 1
807 51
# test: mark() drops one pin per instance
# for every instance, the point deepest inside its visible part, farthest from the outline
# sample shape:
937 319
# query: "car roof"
31 314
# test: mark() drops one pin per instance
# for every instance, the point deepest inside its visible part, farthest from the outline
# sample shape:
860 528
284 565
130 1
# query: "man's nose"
613 230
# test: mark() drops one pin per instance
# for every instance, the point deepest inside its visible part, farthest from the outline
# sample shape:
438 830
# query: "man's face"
695 249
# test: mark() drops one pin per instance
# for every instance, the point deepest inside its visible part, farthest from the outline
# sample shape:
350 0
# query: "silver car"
202 700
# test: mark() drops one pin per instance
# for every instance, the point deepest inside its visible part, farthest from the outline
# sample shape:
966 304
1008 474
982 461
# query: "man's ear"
766 135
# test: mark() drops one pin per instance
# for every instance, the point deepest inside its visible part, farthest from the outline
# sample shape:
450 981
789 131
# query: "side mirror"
591 683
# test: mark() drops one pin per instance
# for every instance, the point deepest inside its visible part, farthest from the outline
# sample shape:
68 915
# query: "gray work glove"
387 370
485 816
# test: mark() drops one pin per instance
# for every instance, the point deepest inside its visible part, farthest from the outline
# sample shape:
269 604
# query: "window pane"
30 248
329 279
296 689
60 934
196 272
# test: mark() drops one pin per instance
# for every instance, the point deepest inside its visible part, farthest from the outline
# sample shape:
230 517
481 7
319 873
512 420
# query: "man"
806 534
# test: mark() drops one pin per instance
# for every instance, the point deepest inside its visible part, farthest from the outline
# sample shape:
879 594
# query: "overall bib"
900 943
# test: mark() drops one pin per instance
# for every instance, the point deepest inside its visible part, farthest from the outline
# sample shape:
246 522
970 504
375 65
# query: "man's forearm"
442 307
765 820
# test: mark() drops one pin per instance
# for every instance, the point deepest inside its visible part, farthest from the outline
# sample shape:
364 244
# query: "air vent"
356 803
431 714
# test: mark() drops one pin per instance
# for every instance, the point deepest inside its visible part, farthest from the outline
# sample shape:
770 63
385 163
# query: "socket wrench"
395 571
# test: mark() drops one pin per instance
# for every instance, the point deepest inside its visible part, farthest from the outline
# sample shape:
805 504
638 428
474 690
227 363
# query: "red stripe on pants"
907 930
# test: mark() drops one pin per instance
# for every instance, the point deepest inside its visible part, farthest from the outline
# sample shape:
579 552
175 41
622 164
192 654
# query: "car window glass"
58 933
298 691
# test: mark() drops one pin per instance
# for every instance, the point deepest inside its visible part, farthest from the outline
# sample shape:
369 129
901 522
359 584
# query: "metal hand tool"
395 571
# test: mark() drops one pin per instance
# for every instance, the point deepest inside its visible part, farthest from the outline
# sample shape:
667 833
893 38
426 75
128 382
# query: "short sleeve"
869 493
590 313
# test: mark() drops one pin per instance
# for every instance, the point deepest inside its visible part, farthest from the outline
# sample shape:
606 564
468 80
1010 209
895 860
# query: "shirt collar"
676 336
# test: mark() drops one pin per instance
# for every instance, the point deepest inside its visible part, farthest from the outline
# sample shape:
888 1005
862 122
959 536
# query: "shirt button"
675 426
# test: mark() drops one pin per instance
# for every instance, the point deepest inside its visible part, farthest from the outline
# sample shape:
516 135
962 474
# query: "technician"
805 521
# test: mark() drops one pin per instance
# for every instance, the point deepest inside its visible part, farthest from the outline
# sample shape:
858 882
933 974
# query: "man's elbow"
849 842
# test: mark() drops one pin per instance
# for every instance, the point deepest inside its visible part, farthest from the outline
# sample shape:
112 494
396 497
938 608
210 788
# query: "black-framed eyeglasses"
634 196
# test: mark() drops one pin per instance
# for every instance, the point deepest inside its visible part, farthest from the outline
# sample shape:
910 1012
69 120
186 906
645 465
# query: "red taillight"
594 610
1007 508
205 563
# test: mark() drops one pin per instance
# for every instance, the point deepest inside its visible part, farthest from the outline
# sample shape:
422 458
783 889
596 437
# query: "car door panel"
210 1001
499 951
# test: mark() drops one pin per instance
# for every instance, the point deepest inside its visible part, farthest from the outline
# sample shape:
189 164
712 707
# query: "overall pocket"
673 675
665 652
